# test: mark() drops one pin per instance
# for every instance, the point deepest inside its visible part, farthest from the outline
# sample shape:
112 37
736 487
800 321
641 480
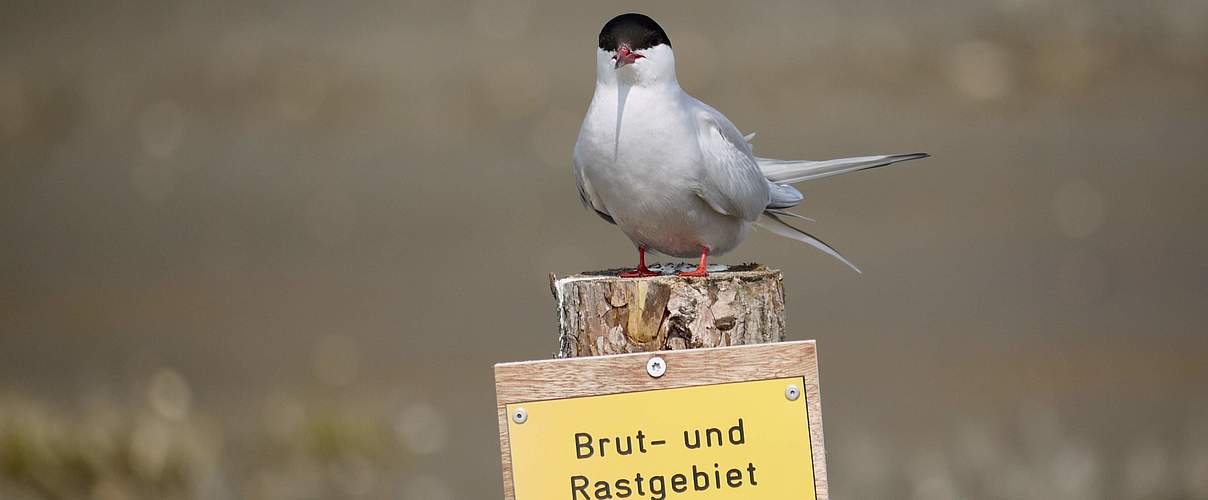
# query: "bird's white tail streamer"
772 222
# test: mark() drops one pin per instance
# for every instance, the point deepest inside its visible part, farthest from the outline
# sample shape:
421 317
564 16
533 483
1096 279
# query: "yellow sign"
743 440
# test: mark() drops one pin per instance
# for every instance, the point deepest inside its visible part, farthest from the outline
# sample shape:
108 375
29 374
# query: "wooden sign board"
739 422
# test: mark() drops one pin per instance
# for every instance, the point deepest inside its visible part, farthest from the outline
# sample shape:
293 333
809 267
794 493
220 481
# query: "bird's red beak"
625 56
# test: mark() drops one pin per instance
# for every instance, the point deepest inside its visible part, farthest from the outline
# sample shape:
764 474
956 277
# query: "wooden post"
544 404
601 313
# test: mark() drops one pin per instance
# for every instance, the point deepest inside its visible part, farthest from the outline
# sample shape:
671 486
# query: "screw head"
792 392
656 367
520 415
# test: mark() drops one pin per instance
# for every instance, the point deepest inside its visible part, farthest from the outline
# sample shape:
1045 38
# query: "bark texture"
601 313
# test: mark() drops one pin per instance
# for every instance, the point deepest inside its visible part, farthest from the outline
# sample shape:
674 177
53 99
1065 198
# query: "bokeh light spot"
169 395
421 428
161 128
981 70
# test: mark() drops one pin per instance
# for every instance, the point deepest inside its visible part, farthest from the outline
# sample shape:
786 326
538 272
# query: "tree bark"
601 313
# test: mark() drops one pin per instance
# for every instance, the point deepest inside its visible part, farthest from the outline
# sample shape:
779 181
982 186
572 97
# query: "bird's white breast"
645 170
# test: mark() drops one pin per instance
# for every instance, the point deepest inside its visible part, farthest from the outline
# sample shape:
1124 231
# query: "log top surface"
727 272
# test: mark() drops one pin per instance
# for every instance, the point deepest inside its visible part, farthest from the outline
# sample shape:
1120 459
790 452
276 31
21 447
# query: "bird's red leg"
641 271
700 268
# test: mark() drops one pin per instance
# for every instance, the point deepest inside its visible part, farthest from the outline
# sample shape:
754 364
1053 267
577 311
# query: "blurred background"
271 250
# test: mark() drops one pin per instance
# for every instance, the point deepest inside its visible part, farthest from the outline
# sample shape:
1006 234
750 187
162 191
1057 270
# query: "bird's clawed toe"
640 272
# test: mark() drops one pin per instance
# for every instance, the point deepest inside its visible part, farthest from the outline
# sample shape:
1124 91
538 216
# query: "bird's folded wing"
588 195
728 180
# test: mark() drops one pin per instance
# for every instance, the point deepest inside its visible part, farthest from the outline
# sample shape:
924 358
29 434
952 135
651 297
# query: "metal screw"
656 367
520 416
792 392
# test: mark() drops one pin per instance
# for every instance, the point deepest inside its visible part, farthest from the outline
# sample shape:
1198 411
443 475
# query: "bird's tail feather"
772 222
786 213
789 171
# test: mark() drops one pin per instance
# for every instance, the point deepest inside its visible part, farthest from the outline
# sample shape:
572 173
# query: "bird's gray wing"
588 195
729 179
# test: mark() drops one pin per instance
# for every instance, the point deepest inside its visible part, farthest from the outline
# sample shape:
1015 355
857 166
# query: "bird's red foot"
700 268
640 272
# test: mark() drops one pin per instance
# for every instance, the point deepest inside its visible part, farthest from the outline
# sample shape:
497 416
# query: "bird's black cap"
639 31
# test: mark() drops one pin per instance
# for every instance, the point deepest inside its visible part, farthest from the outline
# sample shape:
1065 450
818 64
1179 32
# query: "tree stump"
601 313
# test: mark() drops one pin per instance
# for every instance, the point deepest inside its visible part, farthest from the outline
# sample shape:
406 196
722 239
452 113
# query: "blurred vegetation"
324 451
109 454
49 455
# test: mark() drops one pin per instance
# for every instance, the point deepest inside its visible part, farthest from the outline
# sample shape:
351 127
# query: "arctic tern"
674 174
